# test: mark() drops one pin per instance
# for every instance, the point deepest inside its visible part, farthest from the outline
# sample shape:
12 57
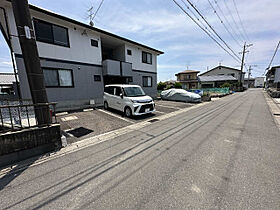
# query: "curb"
85 143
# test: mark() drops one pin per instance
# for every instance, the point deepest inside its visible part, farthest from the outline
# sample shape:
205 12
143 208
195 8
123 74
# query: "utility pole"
242 62
249 74
32 64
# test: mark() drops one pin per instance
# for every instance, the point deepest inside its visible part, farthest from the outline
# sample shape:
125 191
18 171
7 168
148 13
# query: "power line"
98 9
272 57
227 21
242 26
211 28
215 11
240 32
204 29
202 23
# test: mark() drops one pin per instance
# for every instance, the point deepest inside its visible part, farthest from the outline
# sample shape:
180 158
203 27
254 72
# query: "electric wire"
97 9
241 23
222 22
233 19
202 23
211 28
227 21
272 57
204 30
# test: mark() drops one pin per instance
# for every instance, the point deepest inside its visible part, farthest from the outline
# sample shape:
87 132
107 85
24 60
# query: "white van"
129 99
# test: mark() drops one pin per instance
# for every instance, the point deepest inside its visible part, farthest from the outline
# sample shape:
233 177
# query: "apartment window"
94 43
147 81
58 77
129 52
50 33
97 78
146 57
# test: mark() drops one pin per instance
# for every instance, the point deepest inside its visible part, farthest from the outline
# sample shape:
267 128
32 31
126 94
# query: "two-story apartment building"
78 59
188 79
273 77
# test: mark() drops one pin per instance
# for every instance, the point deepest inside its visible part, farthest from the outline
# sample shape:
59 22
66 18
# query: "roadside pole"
249 74
242 64
30 55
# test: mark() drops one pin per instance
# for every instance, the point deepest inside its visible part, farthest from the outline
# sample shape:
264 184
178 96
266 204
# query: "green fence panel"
213 90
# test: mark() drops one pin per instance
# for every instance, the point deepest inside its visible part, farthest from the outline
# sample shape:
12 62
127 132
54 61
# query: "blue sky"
162 25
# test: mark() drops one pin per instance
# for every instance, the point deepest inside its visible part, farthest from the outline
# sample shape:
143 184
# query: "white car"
180 95
129 99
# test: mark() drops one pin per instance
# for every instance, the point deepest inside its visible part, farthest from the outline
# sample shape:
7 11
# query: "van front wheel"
127 112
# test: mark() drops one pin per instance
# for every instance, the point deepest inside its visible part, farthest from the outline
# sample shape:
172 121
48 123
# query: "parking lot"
87 123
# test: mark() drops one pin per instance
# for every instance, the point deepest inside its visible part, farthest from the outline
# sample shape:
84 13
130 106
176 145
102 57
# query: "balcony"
116 68
187 80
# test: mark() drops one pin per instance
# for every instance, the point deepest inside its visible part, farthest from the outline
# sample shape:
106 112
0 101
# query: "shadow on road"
15 172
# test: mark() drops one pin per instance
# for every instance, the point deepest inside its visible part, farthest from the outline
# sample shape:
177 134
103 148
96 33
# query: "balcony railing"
188 80
116 68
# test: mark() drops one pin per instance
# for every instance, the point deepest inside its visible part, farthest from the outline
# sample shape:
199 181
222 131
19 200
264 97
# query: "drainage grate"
153 120
276 114
79 132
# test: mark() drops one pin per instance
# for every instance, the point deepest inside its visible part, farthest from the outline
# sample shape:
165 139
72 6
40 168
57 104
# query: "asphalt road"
223 155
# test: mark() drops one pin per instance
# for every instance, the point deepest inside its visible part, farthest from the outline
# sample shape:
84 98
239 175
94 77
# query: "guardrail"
18 117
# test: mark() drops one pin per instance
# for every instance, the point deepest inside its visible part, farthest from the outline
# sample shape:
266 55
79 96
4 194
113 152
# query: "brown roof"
188 71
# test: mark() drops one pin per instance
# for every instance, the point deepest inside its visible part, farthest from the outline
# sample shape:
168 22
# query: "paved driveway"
88 123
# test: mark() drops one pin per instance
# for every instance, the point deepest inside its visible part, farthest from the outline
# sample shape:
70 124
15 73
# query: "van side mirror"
121 95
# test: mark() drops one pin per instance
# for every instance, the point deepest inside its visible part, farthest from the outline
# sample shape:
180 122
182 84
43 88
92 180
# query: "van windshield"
133 91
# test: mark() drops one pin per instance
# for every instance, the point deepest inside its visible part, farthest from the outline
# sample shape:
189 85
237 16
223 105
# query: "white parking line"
160 112
69 118
171 107
115 115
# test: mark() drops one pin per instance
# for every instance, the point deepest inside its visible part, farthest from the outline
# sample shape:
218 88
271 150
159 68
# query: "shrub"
226 85
161 86
169 87
178 85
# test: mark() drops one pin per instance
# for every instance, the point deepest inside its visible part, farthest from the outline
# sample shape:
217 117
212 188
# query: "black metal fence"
19 116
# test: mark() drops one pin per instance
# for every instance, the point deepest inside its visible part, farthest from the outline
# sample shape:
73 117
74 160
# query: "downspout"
12 55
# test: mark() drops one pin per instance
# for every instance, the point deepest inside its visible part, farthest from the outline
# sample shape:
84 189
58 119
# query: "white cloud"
7 63
161 24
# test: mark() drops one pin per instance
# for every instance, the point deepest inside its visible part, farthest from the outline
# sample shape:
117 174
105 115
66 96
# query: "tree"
161 85
178 85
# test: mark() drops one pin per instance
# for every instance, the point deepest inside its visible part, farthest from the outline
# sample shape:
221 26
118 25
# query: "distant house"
259 82
170 82
7 84
224 71
273 77
188 79
249 83
215 81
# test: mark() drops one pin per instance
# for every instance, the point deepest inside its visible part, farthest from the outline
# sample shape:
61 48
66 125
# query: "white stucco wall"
136 59
80 45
